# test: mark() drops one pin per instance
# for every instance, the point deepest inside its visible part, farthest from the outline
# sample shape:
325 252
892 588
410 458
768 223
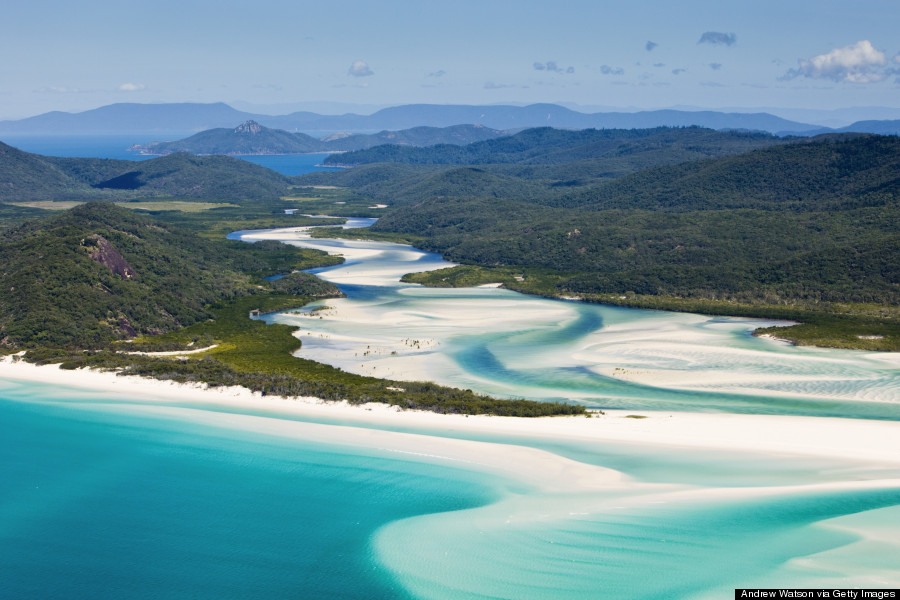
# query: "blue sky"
72 56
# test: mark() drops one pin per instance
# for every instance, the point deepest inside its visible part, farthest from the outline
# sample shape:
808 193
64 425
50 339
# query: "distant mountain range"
185 117
252 138
887 127
146 118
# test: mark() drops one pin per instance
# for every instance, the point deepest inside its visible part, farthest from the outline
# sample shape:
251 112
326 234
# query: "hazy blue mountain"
535 115
252 138
248 138
197 117
131 118
457 135
879 127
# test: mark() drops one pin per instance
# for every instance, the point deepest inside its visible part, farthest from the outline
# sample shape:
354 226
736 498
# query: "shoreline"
867 441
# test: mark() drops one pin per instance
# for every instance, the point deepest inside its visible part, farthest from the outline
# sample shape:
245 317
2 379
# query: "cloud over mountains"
857 63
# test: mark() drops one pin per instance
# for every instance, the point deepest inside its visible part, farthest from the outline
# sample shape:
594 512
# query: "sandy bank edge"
874 441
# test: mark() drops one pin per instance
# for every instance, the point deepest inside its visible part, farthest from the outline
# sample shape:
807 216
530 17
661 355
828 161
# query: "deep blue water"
116 146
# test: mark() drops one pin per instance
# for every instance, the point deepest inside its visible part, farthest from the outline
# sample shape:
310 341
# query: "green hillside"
25 176
806 220
28 177
98 272
830 172
545 164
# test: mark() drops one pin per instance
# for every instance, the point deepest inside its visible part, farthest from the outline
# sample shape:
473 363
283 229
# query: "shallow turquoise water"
110 497
99 501
660 551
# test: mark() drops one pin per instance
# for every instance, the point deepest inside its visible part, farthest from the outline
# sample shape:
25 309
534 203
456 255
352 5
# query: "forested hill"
25 176
99 272
546 163
829 173
547 146
795 223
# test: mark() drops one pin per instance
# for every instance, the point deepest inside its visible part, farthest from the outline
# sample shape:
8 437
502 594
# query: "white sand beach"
866 441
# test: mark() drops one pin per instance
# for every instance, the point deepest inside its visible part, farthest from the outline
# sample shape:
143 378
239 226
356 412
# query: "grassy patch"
179 205
48 204
840 332
340 202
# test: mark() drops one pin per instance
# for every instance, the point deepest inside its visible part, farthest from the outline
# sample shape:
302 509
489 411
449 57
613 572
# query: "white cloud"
360 68
608 70
650 46
132 87
857 63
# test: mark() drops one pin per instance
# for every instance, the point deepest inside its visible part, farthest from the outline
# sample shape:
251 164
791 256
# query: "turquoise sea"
106 496
102 498
112 497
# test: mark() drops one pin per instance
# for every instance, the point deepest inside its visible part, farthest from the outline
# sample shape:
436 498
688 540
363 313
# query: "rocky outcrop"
100 250
248 128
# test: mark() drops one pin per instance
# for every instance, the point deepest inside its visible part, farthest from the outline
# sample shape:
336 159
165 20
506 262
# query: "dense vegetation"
806 230
25 176
544 165
99 272
828 173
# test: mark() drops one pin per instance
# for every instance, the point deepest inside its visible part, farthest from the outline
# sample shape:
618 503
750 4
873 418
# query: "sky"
642 54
